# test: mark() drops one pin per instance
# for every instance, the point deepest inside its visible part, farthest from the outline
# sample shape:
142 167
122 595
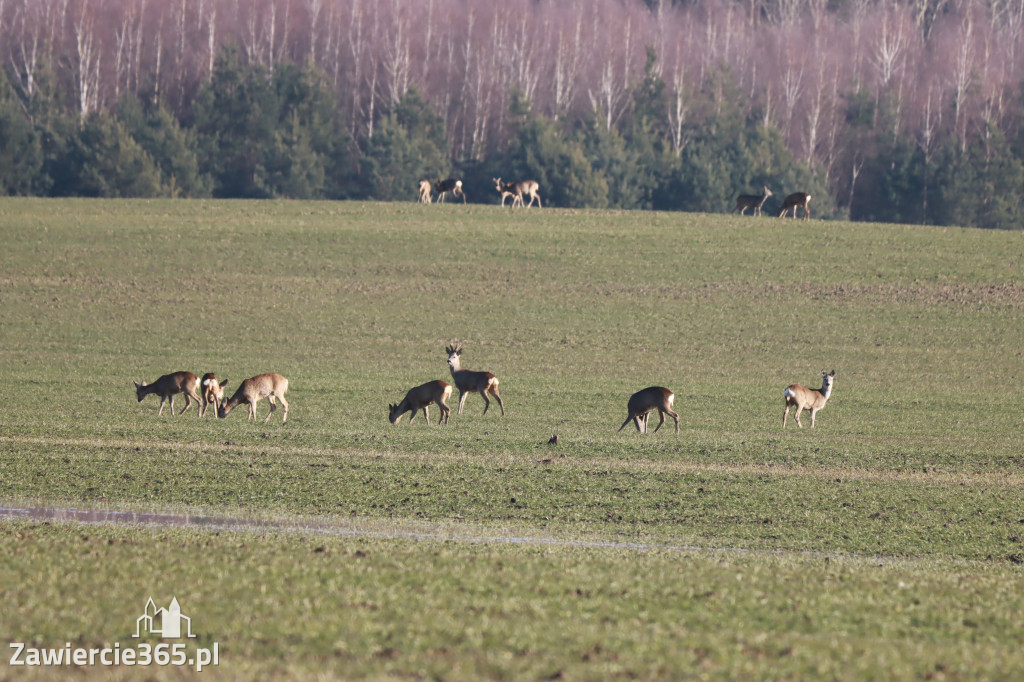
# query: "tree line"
908 111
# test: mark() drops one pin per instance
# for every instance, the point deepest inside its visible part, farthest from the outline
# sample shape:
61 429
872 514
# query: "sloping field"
885 543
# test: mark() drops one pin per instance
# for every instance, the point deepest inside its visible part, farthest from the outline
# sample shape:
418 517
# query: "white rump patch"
206 382
671 399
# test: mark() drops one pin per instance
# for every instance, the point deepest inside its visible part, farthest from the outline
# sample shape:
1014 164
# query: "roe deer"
803 398
516 190
168 386
424 191
423 396
271 386
794 201
643 402
745 201
449 186
472 382
212 392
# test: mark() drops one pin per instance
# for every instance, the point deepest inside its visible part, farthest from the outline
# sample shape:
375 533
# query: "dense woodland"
900 110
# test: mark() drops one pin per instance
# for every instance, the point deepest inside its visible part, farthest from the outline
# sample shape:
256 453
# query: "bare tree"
89 55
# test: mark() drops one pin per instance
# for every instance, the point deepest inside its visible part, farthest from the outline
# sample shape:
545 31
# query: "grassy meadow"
886 543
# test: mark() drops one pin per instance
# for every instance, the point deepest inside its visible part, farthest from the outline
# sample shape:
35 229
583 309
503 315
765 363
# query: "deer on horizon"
468 381
424 191
422 397
803 398
168 386
794 201
642 403
745 201
516 190
212 392
271 386
449 186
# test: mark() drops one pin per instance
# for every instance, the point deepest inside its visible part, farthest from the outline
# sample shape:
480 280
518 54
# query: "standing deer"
423 396
643 402
803 398
424 191
745 201
449 186
794 201
168 386
472 382
212 392
271 386
516 190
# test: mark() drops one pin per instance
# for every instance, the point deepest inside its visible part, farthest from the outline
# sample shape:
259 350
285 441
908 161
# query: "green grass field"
885 544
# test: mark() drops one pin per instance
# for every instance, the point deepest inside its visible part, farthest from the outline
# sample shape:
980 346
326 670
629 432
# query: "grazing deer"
424 191
745 201
168 386
803 398
212 392
643 402
449 186
794 201
472 382
422 397
516 190
271 386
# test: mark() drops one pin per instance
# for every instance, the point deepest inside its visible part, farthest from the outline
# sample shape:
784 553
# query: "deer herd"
530 188
273 386
756 201
453 186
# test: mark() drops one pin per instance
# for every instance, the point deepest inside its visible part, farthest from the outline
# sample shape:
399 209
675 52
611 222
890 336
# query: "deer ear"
223 383
833 373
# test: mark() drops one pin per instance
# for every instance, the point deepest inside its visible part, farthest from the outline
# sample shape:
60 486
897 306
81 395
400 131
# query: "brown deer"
472 382
271 386
745 201
212 392
794 201
516 190
424 191
803 398
449 186
168 386
643 402
422 397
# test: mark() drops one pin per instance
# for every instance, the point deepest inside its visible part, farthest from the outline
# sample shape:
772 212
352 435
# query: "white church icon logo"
167 622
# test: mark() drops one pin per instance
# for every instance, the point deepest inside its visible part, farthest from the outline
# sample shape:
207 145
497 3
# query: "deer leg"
784 416
284 417
796 414
273 406
252 411
426 415
814 413
462 399
188 404
171 400
445 412
487 403
161 412
674 416
494 392
661 419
